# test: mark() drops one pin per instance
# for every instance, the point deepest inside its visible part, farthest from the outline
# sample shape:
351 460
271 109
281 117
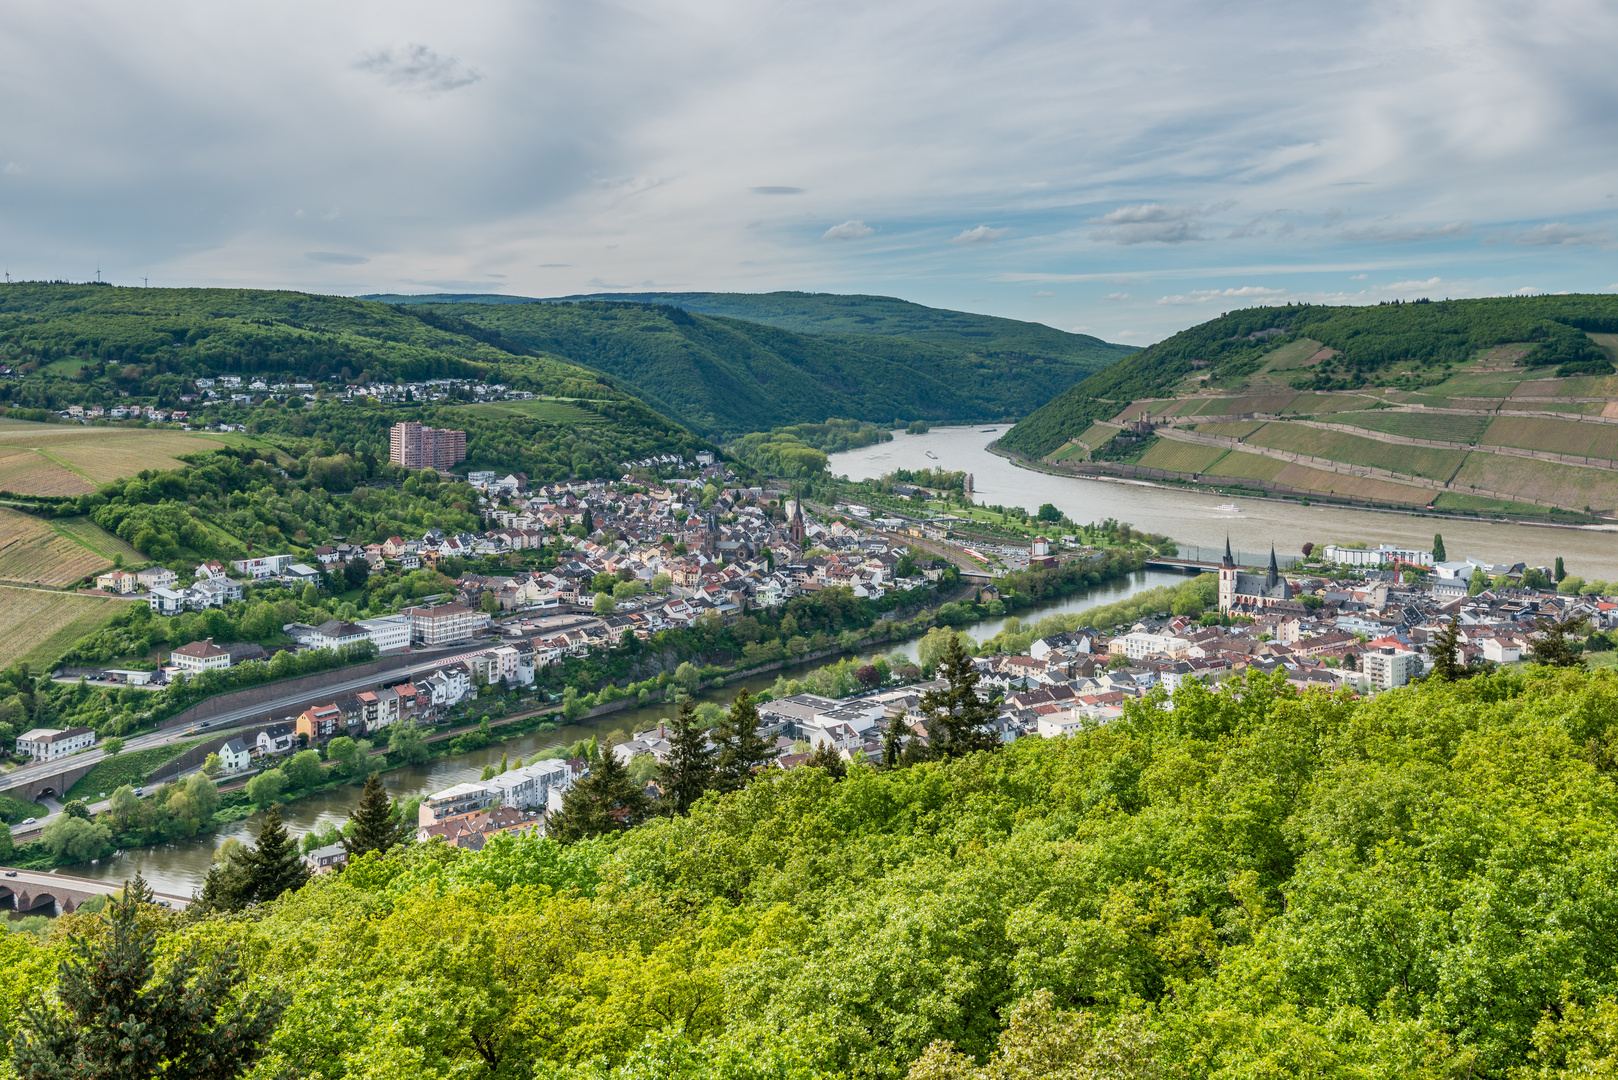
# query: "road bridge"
34 889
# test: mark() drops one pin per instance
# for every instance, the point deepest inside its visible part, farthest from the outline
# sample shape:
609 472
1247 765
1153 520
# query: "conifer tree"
372 825
1446 650
274 865
117 1017
825 757
1561 571
893 743
1438 548
956 714
605 801
739 749
1550 641
689 770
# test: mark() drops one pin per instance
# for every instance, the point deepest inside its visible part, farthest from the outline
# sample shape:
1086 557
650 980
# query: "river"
1192 517
180 866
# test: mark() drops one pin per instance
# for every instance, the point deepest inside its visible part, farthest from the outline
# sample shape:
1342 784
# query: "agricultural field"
38 626
33 552
99 540
1235 429
1554 436
1243 466
1581 386
1355 450
1328 403
1171 456
551 412
1454 500
1363 487
71 459
1097 435
1442 427
1541 481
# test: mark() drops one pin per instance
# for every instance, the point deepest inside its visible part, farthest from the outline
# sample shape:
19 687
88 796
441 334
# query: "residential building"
1389 667
166 601
157 577
121 582
334 634
417 446
278 739
455 801
200 656
235 755
1138 646
446 623
265 566
48 744
323 860
318 723
389 633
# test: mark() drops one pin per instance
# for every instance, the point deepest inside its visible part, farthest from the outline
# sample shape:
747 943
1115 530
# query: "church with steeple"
1239 590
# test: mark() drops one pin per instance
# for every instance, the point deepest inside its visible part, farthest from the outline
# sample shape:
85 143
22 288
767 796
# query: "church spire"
1275 571
1228 560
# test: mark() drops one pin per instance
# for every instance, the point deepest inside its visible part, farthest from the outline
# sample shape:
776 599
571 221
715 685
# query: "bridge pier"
31 898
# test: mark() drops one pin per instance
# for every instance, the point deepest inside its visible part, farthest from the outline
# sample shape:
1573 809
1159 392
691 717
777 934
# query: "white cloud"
1358 277
1556 234
980 235
13 169
1116 298
1203 296
1527 290
1043 294
848 230
418 68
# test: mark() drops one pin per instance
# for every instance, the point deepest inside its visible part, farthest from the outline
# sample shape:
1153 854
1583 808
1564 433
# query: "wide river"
1192 517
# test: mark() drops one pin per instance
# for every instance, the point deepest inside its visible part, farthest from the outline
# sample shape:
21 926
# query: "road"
231 719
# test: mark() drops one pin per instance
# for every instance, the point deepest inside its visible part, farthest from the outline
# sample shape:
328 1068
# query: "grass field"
1355 450
1415 425
86 532
31 551
1181 457
132 768
39 626
552 412
1242 466
71 459
1454 500
1364 487
1556 436
1541 481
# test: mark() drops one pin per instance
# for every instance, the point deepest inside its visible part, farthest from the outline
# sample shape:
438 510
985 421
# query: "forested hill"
89 345
1396 346
736 362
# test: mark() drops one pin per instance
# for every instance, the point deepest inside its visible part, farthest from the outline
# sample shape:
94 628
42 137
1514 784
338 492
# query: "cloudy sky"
1125 169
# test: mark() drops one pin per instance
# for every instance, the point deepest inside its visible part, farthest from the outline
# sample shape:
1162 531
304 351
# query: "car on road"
11 873
29 820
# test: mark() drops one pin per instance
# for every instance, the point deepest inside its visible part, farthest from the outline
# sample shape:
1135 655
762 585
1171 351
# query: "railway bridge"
34 889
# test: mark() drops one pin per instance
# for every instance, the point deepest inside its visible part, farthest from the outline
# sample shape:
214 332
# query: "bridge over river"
33 889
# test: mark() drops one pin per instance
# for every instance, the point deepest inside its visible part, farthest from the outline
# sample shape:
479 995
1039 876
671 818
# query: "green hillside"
736 362
1266 884
1496 405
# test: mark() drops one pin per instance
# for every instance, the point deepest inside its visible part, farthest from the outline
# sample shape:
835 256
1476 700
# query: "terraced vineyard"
72 459
32 551
38 625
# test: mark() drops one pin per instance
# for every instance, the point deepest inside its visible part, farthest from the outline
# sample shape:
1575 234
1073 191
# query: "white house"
166 601
200 656
278 739
389 633
334 634
157 577
235 755
48 744
263 567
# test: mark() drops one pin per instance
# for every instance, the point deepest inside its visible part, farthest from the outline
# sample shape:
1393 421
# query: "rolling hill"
1497 406
728 363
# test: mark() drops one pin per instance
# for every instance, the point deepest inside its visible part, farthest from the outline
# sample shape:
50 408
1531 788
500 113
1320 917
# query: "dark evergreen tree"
1438 548
373 825
1446 653
588 521
257 875
1551 646
689 770
825 757
116 1017
893 743
1561 571
739 749
607 800
956 715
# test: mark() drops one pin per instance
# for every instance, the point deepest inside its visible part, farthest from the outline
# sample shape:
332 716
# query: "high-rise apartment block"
416 446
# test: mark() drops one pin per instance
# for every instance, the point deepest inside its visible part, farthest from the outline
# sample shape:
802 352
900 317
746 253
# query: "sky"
1120 169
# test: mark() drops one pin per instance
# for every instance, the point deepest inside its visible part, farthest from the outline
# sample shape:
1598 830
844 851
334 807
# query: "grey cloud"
778 189
1153 223
418 68
1407 234
1556 234
336 258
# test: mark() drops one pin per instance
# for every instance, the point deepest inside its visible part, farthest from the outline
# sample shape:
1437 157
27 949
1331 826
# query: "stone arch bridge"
31 890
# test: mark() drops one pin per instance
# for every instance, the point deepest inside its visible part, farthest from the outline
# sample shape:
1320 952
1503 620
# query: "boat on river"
932 455
1230 508
987 430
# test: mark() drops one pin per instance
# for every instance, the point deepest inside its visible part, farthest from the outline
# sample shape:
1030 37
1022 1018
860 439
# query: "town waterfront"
1194 517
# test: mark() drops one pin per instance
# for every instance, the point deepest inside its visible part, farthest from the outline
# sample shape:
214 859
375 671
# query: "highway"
231 719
